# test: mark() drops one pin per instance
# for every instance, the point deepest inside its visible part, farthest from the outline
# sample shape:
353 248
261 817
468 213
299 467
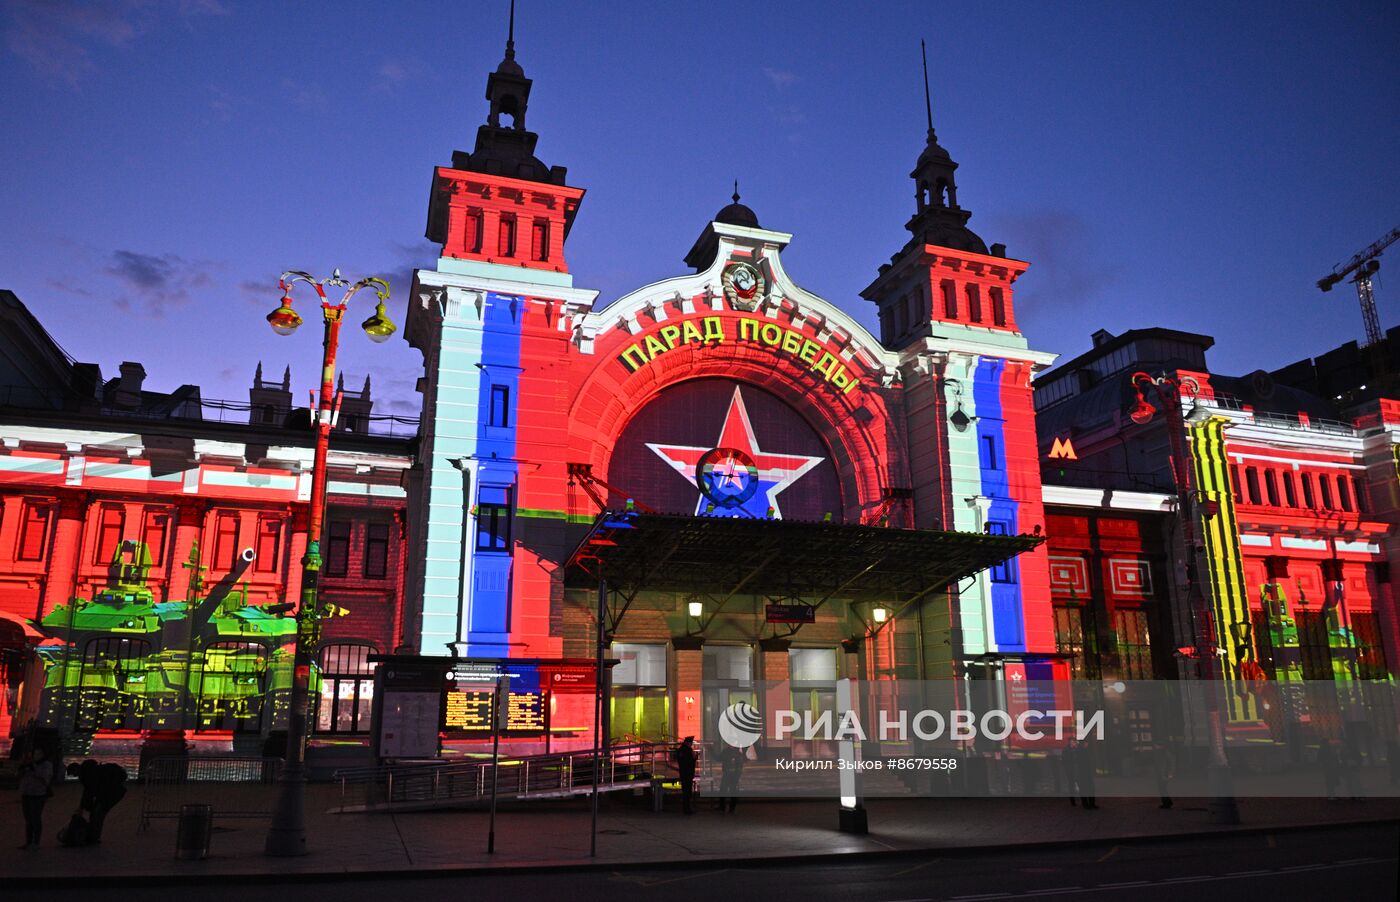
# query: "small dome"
509 66
736 213
739 215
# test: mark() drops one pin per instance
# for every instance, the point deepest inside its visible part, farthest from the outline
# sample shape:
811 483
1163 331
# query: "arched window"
347 688
232 687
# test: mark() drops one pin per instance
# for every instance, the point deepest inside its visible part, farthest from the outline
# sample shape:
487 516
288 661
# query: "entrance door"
728 679
640 707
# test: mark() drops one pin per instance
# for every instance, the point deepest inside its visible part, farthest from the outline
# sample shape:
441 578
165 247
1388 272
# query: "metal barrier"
234 787
554 776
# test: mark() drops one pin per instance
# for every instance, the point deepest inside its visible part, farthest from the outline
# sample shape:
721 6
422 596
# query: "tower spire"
736 191
928 104
510 35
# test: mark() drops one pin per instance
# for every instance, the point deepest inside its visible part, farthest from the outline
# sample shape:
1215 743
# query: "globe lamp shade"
284 320
1142 411
379 327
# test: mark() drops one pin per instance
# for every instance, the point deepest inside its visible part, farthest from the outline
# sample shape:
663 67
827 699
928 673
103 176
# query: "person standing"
1080 761
731 764
1163 768
35 787
685 766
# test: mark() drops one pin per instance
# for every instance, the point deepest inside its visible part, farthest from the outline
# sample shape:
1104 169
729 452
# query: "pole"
287 834
499 721
598 710
1222 807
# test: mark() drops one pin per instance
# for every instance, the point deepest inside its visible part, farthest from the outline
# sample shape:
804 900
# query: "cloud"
68 287
1060 243
388 76
223 102
307 96
158 281
57 37
780 78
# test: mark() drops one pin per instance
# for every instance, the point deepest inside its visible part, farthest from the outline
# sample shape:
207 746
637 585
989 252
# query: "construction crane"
1365 265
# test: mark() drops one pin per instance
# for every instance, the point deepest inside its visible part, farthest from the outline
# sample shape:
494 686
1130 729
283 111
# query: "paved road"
1358 863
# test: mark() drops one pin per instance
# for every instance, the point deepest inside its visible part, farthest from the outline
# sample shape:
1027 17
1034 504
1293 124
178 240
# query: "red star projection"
730 467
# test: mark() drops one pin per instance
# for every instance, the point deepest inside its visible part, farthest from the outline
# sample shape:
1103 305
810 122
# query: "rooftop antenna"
510 35
928 104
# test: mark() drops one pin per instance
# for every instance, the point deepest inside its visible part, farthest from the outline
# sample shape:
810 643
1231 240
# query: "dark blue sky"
1195 165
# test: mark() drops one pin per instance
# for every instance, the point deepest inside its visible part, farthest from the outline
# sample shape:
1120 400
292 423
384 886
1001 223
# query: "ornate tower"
945 303
495 309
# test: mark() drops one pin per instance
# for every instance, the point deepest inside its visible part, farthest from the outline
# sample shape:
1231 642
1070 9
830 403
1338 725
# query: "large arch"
863 435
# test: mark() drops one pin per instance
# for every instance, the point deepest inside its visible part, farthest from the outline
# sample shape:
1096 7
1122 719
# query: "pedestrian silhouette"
685 766
35 787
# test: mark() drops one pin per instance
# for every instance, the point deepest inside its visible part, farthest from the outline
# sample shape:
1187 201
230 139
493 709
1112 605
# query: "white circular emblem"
740 725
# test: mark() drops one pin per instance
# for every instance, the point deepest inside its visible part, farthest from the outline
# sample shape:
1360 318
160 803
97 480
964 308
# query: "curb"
757 861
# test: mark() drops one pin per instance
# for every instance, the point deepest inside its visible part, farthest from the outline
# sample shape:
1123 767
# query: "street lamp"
1222 806
287 835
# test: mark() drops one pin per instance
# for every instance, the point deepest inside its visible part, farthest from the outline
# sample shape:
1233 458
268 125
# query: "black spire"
510 35
737 213
939 220
503 146
928 104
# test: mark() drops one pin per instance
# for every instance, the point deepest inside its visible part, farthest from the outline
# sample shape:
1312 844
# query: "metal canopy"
722 556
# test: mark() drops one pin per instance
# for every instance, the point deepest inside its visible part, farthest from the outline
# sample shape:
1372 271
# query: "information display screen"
534 691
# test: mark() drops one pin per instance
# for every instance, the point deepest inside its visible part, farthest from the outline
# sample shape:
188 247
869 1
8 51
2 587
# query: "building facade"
149 542
726 391
1291 533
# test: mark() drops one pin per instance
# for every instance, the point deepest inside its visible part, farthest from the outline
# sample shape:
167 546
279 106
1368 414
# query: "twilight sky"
1197 165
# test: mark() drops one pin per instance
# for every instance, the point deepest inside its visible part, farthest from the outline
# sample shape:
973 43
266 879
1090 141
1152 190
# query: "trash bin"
193 831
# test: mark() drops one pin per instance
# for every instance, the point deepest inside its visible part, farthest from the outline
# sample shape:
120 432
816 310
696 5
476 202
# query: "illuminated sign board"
1063 449
790 613
715 330
469 706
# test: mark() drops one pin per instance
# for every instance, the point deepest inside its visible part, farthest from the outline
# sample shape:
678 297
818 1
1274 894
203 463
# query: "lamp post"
287 834
1222 806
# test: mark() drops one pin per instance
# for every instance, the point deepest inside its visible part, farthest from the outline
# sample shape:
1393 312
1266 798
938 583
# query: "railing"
537 776
196 409
233 787
1226 401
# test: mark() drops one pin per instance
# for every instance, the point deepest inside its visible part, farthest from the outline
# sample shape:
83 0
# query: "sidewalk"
542 835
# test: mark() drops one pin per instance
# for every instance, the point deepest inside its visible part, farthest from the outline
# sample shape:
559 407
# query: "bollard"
193 831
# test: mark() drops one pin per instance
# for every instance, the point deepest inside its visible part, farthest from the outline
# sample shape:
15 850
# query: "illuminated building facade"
146 540
1297 510
728 391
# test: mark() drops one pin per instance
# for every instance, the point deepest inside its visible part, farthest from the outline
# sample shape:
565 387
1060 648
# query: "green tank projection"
1285 642
210 662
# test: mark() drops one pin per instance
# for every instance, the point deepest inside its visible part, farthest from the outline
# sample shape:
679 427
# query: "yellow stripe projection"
1222 561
